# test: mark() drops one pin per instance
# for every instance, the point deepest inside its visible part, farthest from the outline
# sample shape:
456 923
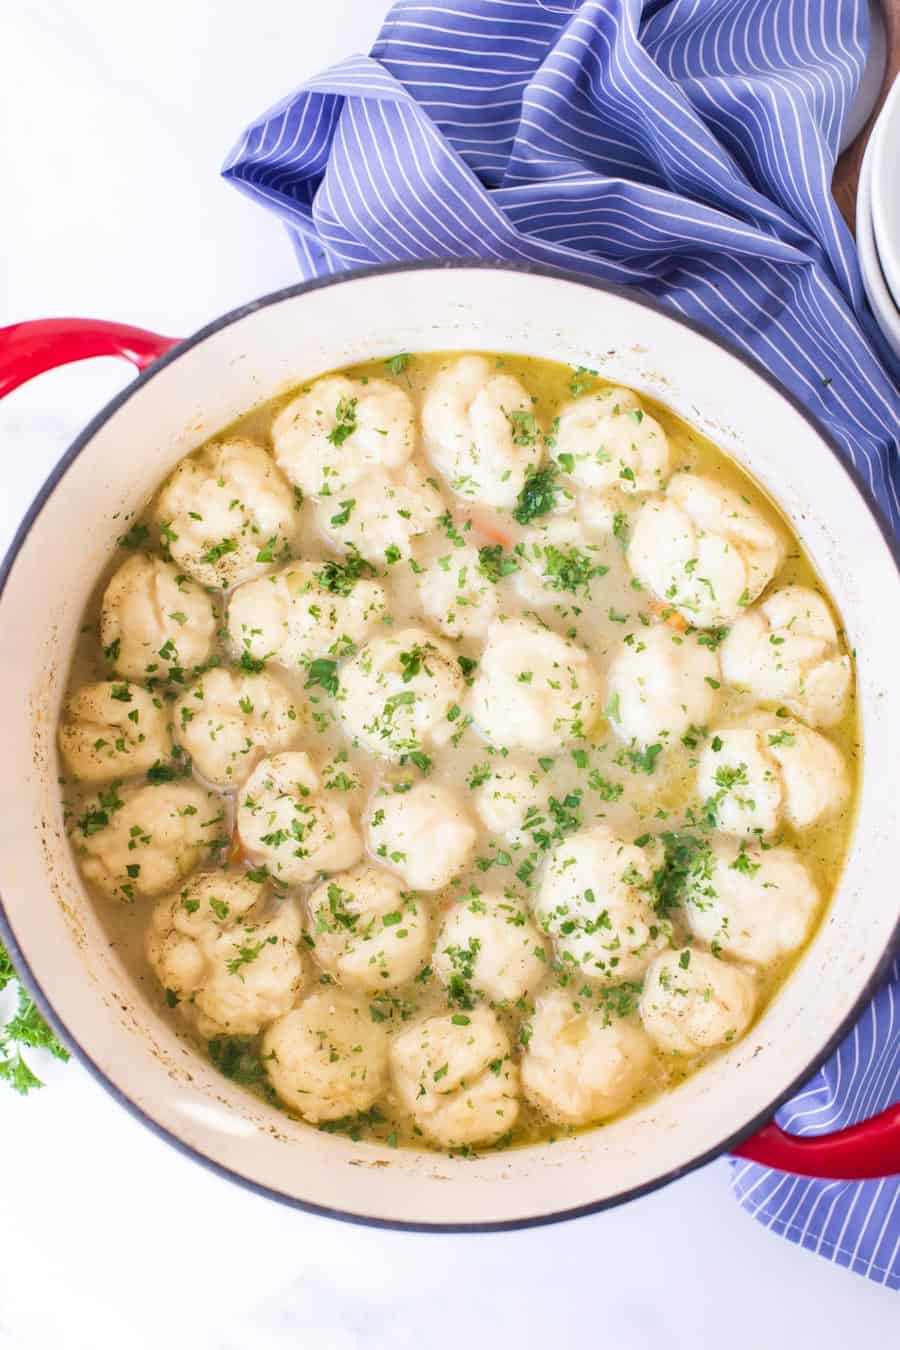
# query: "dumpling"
754 905
426 835
533 689
757 778
578 1065
327 1058
154 620
480 432
286 823
606 440
458 594
693 1002
814 779
703 550
659 684
488 948
455 1077
143 840
227 514
339 429
396 694
228 721
305 610
383 516
112 730
593 903
512 800
786 650
226 961
369 933
557 562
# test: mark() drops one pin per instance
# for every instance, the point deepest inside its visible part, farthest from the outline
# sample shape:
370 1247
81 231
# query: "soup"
460 749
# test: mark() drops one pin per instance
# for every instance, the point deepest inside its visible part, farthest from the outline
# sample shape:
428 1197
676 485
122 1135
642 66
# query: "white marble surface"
116 119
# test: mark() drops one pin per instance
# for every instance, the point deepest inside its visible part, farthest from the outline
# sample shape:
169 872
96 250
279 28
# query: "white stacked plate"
878 221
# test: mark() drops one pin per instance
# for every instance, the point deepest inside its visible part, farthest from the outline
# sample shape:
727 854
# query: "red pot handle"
28 349
869 1149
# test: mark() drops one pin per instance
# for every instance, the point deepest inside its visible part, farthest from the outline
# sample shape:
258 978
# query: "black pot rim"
23 967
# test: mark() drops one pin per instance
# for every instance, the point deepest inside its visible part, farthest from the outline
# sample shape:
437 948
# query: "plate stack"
878 222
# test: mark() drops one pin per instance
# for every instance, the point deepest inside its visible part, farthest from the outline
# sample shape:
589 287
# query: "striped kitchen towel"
683 147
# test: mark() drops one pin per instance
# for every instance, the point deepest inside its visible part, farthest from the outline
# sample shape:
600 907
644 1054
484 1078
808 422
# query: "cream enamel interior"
247 362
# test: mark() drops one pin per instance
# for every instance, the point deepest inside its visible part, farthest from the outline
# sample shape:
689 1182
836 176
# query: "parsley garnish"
493 563
322 674
538 495
25 1030
345 421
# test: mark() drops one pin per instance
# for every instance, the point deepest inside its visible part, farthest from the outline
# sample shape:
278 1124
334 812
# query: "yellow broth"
649 802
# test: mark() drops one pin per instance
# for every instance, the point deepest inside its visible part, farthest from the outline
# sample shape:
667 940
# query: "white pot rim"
44 1001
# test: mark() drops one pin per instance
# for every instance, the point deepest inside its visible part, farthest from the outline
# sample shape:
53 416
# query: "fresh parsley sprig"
25 1030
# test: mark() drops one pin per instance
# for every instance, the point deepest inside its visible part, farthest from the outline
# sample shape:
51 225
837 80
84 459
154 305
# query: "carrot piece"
669 616
236 857
491 526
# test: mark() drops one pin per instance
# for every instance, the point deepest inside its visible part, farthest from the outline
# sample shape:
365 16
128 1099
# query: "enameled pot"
188 390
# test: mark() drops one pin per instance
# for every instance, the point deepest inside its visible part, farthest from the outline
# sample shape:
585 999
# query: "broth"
594 781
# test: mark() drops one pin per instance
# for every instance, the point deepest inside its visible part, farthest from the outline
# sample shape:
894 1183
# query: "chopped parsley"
322 674
538 495
494 564
345 421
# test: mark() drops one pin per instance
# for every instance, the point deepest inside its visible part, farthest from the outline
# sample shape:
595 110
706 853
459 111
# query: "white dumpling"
579 1066
228 721
112 730
154 619
512 801
383 515
457 594
742 780
143 840
227 514
480 432
756 905
814 779
339 429
659 684
557 562
606 440
426 834
760 777
703 550
286 823
533 689
593 903
455 1077
693 1002
327 1058
396 693
369 933
229 964
305 610
786 650
488 948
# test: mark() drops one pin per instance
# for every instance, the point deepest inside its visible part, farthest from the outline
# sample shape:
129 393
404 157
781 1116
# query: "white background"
115 119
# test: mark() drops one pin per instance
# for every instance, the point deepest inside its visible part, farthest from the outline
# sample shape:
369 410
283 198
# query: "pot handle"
859 1153
28 349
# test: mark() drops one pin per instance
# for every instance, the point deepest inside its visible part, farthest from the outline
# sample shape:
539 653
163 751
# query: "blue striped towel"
683 147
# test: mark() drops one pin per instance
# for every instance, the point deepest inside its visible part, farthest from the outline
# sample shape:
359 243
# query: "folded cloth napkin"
683 147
